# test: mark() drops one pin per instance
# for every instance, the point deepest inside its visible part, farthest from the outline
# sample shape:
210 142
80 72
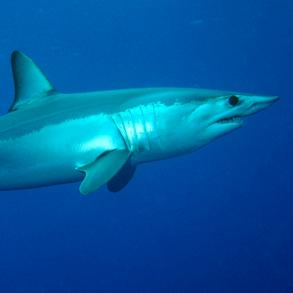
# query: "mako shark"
48 137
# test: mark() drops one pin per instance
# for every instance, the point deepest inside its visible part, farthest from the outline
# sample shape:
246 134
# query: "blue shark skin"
50 138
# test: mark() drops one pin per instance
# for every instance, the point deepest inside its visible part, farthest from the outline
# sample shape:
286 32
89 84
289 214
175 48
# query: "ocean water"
218 220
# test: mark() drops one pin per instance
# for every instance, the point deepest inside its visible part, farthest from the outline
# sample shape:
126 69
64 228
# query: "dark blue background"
219 220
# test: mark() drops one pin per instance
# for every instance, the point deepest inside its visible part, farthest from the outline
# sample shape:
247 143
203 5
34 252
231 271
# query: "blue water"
219 220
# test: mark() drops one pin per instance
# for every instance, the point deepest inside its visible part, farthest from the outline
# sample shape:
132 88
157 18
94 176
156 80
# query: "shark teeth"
230 119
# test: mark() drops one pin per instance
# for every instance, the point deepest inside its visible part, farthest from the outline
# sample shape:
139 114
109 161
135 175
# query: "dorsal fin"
29 81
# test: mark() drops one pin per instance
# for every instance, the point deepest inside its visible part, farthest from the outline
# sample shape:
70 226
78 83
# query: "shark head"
220 115
203 116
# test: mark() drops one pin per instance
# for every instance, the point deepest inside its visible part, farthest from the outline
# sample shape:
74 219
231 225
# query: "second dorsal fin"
29 81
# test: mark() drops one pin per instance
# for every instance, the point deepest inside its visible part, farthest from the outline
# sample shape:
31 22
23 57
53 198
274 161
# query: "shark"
99 138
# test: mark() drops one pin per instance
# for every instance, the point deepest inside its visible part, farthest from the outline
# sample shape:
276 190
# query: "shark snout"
259 103
264 100
269 99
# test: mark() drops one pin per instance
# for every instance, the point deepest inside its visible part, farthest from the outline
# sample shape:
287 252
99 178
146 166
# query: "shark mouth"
233 119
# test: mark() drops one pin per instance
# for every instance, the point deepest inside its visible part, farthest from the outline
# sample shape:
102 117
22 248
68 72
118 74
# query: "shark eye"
233 100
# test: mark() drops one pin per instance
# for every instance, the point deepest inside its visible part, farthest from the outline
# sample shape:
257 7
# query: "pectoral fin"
122 178
102 170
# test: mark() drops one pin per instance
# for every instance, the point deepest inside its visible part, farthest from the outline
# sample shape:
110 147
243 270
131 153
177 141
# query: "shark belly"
52 154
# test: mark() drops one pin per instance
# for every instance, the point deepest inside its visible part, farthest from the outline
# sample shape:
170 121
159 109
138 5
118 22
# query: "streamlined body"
49 137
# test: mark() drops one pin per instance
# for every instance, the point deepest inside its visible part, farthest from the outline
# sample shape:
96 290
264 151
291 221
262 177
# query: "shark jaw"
234 120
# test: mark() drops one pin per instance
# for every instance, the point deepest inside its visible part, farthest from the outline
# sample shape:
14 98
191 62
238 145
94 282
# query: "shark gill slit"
145 128
134 130
136 126
118 120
